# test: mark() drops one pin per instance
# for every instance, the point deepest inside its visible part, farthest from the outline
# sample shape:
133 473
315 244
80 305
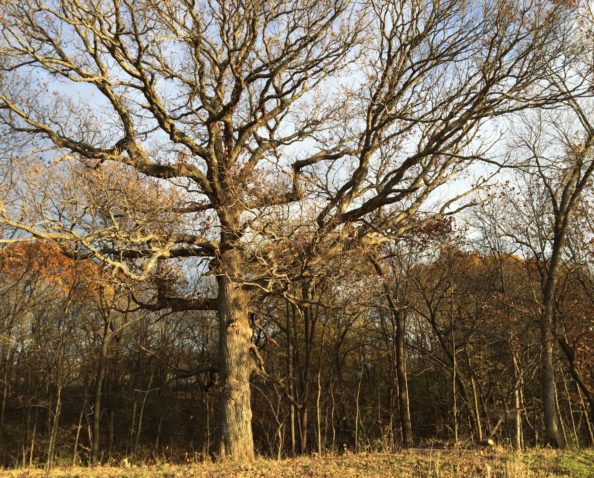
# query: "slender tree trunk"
110 437
570 406
33 435
392 405
454 378
517 420
158 436
290 313
518 434
304 384
403 398
236 441
551 421
332 416
403 401
79 428
477 413
318 414
303 427
357 411
131 430
560 416
208 427
575 374
586 416
141 415
552 436
55 428
96 445
4 397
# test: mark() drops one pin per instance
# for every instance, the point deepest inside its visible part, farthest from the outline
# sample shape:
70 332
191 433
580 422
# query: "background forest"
293 227
431 340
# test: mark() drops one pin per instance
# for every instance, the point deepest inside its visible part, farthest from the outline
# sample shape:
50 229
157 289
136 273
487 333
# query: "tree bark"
236 440
403 401
518 432
477 413
552 436
55 428
96 445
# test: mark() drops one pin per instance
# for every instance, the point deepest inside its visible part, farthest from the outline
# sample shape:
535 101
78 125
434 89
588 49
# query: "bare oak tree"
238 109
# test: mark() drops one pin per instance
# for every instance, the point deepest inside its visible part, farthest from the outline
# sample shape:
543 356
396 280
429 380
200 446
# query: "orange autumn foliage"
44 261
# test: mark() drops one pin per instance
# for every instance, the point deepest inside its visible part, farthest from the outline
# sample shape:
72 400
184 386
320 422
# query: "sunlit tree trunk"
403 399
236 440
477 413
518 433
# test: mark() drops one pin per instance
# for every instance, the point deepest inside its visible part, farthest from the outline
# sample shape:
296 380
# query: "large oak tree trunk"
236 440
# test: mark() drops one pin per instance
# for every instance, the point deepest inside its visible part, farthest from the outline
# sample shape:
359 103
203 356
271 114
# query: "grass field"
408 464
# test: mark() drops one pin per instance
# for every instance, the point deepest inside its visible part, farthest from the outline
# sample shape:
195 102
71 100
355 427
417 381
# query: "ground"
408 464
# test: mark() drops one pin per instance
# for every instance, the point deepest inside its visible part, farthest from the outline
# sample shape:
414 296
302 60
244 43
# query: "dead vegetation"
420 463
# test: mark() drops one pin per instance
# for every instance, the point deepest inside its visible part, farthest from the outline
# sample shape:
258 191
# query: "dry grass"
409 464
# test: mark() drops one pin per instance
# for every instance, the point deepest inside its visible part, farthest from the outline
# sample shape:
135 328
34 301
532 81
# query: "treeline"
414 342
